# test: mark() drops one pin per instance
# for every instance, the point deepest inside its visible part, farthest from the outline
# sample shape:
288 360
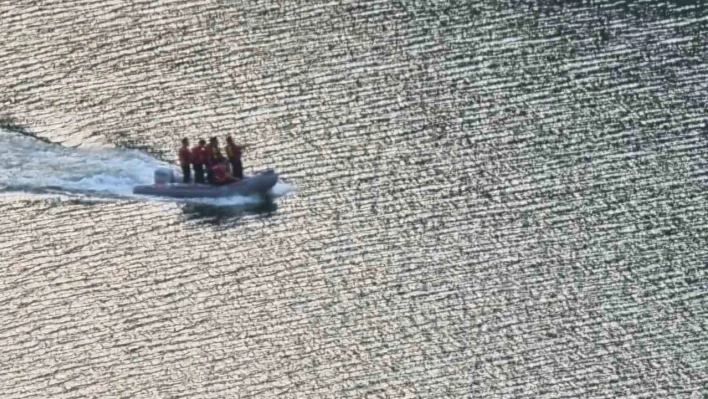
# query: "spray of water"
30 165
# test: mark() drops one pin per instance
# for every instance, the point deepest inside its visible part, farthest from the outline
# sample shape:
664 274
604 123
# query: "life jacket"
220 173
198 155
233 152
185 157
216 155
207 156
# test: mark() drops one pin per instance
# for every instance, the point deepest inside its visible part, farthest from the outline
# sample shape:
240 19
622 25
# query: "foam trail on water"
281 189
233 201
28 164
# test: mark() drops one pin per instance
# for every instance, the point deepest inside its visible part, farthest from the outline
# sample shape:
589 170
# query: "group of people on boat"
209 159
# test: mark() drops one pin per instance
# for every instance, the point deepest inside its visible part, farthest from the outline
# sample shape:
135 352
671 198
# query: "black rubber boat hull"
258 184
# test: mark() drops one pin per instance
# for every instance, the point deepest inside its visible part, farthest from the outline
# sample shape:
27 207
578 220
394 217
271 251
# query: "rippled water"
499 200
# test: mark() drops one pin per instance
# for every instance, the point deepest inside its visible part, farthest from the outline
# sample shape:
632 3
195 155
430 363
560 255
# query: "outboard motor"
164 176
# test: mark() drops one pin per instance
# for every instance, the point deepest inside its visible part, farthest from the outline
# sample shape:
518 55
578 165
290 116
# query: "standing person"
208 162
185 159
216 156
198 161
213 157
233 153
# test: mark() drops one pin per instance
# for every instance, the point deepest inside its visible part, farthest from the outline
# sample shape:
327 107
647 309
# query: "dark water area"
497 200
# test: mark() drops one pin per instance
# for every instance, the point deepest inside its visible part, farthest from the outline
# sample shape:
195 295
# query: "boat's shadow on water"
212 214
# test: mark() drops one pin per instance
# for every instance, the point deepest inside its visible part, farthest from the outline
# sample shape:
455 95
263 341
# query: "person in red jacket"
185 159
198 161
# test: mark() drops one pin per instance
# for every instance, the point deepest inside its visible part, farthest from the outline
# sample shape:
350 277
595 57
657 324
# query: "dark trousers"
199 173
237 168
187 173
210 175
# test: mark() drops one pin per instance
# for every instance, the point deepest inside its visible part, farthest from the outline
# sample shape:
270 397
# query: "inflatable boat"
166 186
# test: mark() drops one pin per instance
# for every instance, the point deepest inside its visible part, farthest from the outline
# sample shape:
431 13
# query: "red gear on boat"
220 171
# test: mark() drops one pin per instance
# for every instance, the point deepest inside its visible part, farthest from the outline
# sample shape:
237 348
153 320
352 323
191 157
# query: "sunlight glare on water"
478 200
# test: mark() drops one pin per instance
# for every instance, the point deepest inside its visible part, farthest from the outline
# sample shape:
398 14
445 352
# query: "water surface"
503 200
